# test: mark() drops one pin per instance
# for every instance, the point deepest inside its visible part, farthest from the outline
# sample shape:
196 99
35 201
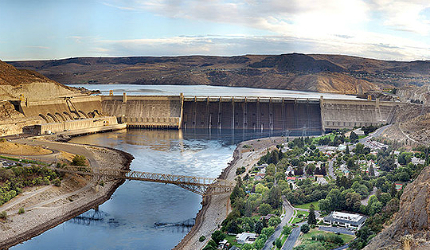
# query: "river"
128 220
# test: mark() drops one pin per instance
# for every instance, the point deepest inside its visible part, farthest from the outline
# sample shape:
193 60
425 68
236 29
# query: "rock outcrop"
410 226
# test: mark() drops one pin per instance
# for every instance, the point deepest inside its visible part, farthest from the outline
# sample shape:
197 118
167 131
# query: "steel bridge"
200 185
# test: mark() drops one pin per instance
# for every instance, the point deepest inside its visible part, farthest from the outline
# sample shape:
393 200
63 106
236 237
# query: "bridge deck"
200 185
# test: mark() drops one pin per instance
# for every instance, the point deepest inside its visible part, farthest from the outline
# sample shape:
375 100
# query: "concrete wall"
74 125
63 109
145 111
338 114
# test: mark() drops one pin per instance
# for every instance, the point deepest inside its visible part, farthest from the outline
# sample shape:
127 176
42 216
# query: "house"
398 186
259 176
353 221
244 238
267 217
289 171
320 179
291 179
417 161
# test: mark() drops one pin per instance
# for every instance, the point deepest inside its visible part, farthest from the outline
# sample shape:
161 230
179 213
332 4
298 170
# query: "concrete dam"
248 113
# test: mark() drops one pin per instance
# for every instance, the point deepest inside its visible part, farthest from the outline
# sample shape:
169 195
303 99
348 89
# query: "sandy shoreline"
216 208
59 205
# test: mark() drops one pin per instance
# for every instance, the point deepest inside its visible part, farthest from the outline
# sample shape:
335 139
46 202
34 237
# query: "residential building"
353 221
244 238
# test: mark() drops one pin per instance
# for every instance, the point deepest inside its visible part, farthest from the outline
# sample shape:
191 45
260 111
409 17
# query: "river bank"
216 208
48 206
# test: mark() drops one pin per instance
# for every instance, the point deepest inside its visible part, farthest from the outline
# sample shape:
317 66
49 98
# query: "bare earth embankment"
216 208
47 206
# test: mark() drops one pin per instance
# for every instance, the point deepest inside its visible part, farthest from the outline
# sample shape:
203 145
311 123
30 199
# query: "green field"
331 135
346 238
307 205
232 240
306 239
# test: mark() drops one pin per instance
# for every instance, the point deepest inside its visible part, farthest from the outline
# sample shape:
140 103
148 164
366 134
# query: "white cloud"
375 47
404 15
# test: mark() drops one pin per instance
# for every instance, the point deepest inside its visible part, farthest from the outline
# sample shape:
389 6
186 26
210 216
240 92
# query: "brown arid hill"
31 84
313 72
410 226
324 73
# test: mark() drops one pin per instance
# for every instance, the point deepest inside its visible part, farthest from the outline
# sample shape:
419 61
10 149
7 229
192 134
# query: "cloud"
375 47
38 47
404 15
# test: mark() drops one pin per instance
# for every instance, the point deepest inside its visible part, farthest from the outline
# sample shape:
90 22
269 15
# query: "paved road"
288 214
342 247
337 230
331 169
67 147
366 200
289 243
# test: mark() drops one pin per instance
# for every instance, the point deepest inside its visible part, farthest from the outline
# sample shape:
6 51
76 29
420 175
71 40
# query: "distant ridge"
313 72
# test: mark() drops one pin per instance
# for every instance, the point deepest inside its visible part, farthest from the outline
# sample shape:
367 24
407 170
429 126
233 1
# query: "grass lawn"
302 212
331 135
346 238
232 240
307 238
307 205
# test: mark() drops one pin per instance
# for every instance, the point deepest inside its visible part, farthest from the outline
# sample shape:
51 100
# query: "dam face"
253 113
258 114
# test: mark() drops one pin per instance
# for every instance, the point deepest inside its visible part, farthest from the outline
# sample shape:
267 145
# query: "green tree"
274 221
274 197
311 217
278 243
305 228
264 209
347 150
353 137
218 236
286 230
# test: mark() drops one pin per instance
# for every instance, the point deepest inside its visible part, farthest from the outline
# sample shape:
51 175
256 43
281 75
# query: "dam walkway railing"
200 185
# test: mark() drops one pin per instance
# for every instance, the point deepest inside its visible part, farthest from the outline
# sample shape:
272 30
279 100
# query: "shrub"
21 210
79 160
3 215
56 182
305 228
202 238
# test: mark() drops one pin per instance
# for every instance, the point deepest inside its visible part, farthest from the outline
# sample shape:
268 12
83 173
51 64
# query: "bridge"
200 185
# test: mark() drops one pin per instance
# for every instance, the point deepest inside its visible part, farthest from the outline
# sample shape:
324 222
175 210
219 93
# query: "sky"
56 29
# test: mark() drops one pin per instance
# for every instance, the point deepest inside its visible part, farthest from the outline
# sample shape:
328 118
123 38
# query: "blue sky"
55 29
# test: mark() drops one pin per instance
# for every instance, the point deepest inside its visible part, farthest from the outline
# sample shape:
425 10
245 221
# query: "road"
289 243
278 230
331 169
366 200
337 230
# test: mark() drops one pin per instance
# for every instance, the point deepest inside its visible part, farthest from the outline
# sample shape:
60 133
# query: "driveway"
337 230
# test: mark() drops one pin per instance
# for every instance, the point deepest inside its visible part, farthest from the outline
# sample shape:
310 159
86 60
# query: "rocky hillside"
31 84
411 224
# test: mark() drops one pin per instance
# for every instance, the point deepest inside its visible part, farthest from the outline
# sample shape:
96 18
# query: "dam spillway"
250 113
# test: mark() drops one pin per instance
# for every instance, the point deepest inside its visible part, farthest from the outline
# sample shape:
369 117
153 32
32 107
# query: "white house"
354 221
243 238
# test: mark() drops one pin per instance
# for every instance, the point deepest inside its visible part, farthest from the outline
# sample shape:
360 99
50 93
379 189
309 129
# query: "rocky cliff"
410 227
